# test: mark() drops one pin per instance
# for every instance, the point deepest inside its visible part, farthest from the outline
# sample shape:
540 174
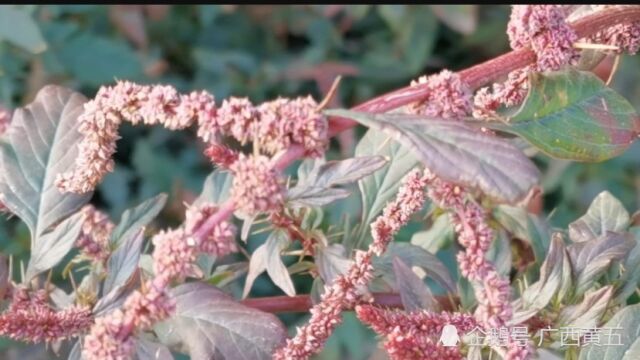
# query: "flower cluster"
257 186
509 93
626 37
447 96
273 125
348 289
415 335
93 241
30 318
131 102
543 29
326 315
173 259
410 198
475 236
492 291
292 121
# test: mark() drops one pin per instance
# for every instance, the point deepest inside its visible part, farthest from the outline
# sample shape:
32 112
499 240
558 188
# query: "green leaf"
123 262
437 236
500 254
414 293
96 60
149 350
331 261
342 172
555 280
267 257
19 28
606 213
412 255
315 187
588 313
42 143
590 259
574 115
376 190
53 246
216 189
211 324
627 321
457 153
525 226
312 196
136 218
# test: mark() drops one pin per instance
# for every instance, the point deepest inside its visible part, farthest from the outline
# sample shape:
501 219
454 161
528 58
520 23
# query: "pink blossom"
287 121
349 289
129 102
105 340
626 36
257 186
326 315
544 29
397 213
221 155
475 236
447 96
238 117
511 92
415 335
149 307
173 256
93 241
30 318
221 240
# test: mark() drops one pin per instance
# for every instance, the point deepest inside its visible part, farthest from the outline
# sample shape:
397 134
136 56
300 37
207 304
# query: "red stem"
302 303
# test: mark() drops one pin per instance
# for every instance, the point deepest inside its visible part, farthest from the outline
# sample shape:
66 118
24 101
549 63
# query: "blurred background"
262 52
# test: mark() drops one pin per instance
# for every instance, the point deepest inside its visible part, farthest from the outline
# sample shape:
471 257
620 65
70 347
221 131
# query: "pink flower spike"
447 97
257 187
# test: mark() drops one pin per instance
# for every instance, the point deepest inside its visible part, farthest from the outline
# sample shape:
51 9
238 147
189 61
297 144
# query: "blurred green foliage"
263 52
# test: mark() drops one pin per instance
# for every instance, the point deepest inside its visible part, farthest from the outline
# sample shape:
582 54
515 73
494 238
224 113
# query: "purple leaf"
211 324
458 153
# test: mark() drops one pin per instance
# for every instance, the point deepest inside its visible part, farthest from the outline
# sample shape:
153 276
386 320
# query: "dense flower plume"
447 96
348 289
492 291
276 124
173 259
93 241
415 335
543 29
257 186
102 116
30 318
292 121
626 37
